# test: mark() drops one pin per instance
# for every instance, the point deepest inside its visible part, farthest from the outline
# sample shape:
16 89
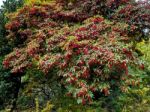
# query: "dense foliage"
8 83
7 7
86 49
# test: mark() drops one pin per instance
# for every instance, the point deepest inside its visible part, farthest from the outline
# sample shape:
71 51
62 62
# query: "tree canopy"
89 48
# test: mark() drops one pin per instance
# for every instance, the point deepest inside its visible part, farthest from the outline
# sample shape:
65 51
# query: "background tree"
8 83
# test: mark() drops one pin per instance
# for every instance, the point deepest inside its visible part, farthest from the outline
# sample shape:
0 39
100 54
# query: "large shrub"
90 54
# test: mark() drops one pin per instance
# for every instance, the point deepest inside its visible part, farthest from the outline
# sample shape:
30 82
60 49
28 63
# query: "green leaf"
79 101
91 94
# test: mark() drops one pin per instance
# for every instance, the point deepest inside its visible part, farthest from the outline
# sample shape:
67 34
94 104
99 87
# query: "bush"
95 56
61 50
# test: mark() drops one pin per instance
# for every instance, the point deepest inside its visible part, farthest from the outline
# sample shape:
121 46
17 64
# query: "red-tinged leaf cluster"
88 56
129 11
134 13
17 60
15 25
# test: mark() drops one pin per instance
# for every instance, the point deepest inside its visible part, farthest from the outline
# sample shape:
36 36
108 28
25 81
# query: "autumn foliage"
77 43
